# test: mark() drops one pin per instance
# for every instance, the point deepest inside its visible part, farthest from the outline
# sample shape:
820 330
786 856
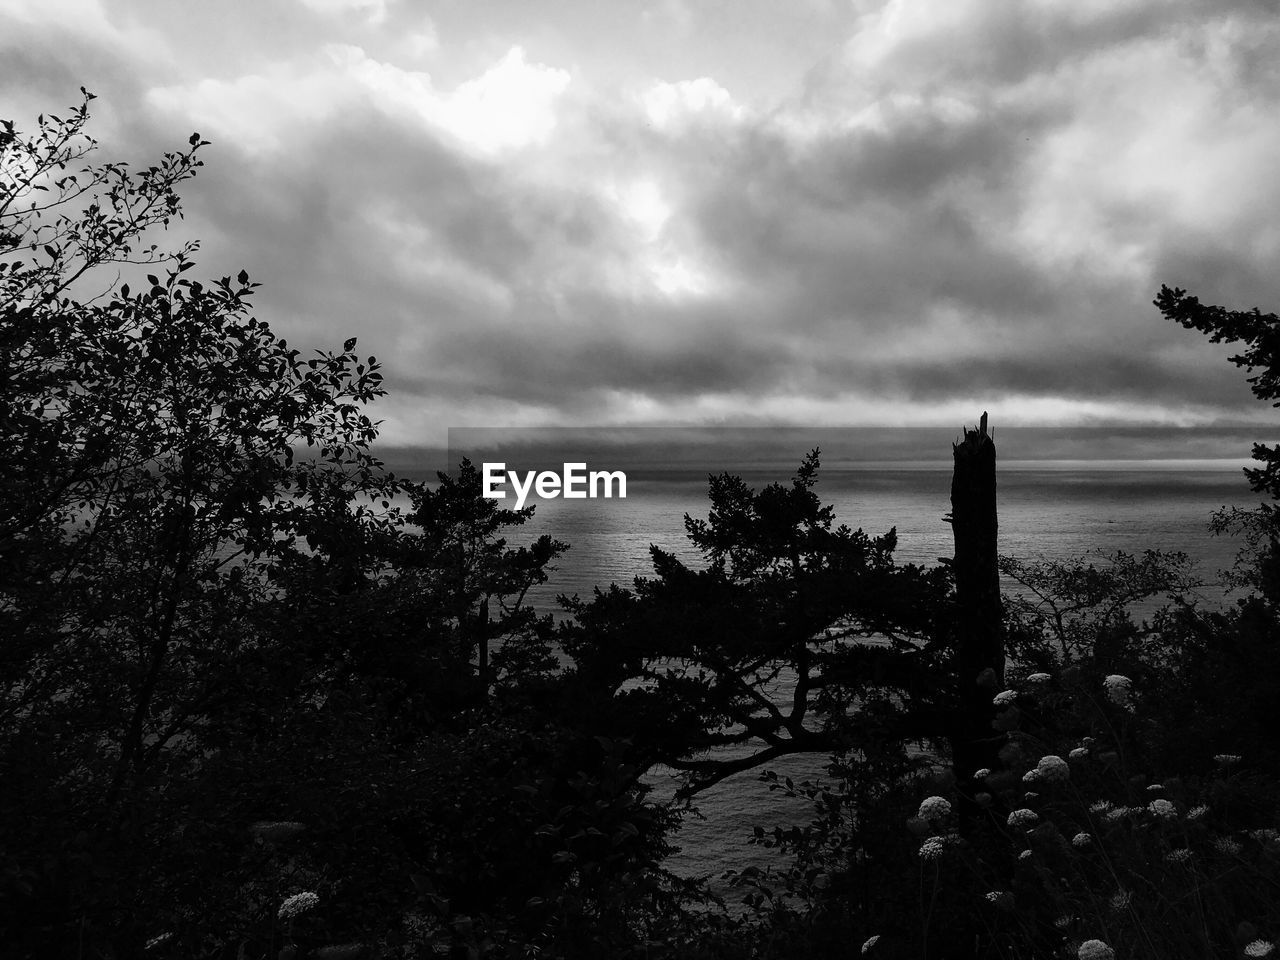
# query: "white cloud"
642 203
510 106
374 11
670 104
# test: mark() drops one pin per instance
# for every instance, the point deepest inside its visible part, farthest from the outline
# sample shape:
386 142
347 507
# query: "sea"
1058 510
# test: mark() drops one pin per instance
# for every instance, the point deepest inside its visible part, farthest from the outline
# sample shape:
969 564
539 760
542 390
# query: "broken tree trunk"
979 638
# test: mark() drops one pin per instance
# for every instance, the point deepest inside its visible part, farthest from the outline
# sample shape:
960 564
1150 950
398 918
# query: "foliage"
781 591
478 584
250 702
1260 334
260 709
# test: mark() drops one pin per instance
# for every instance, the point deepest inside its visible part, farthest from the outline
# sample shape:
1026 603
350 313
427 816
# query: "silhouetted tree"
151 490
697 655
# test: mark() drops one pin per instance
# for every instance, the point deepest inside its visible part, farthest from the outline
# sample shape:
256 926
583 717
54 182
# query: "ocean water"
1050 510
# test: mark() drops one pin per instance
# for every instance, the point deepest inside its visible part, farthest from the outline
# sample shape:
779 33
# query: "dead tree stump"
979 620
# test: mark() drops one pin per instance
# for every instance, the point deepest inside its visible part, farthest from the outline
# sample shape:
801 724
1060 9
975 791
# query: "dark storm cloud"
960 202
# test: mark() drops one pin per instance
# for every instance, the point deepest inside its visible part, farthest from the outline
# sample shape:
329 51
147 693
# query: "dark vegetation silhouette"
261 698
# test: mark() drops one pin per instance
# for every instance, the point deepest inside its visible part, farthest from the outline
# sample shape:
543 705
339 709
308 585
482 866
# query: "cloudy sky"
694 211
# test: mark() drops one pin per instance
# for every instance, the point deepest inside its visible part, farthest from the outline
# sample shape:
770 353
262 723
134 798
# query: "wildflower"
1081 840
1039 678
1119 813
934 808
1268 838
339 951
1053 769
1181 855
1030 795
1095 950
931 849
1000 898
1120 900
156 941
1195 813
1226 845
981 774
1004 698
1079 753
1023 818
1025 855
1031 776
871 942
297 904
1259 948
1226 759
1155 788
1118 687
1163 808
1100 806
1063 922
275 830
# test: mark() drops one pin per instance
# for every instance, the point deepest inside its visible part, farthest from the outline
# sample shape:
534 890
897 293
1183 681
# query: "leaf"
349 345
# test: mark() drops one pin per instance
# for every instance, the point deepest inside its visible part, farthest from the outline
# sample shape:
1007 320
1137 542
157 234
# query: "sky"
819 212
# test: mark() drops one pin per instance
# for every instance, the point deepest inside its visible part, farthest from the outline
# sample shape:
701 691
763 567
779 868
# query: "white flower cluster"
297 904
1053 769
1000 898
1095 950
1004 698
871 942
1226 759
1081 840
935 808
1039 678
1163 809
1023 818
1118 814
931 849
1227 846
341 951
276 830
1195 813
1118 687
1079 753
1259 948
1181 855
